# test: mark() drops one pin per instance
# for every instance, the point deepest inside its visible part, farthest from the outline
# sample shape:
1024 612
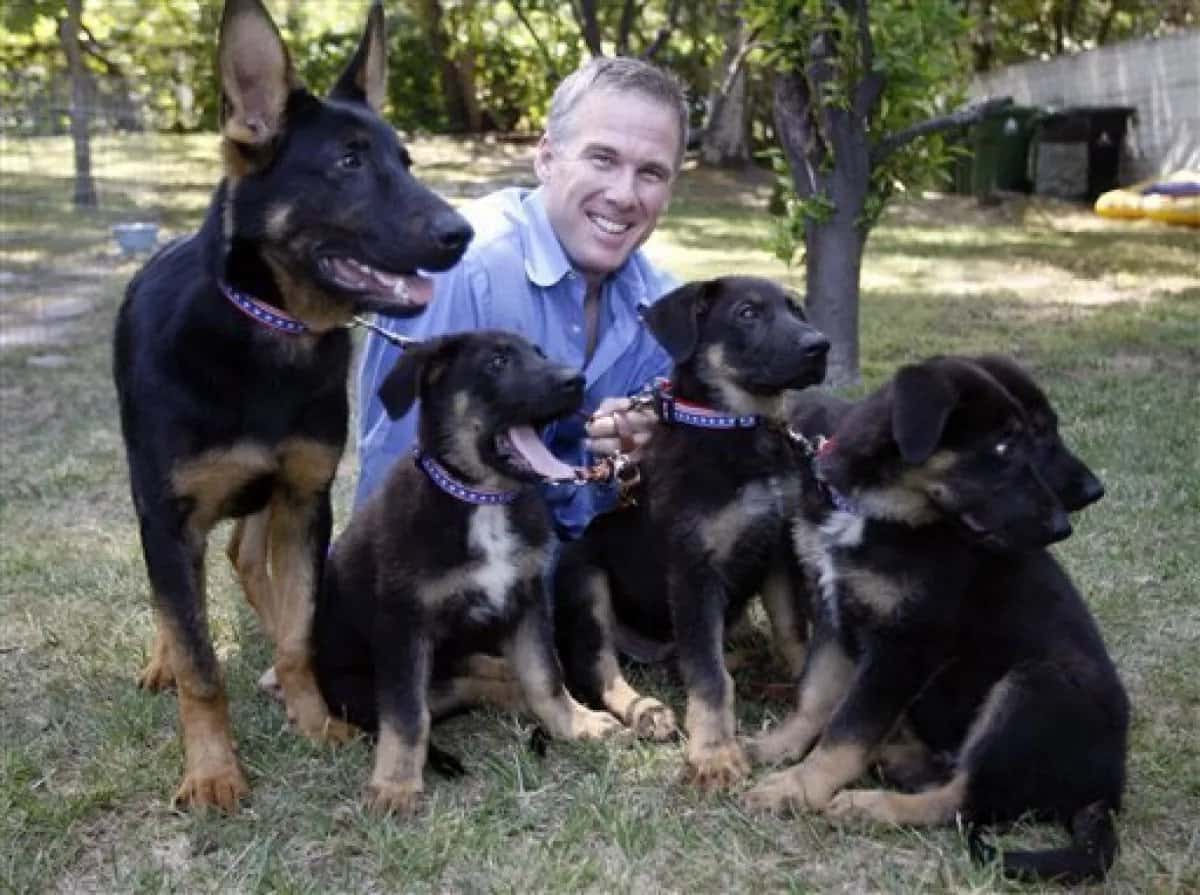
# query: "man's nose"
622 187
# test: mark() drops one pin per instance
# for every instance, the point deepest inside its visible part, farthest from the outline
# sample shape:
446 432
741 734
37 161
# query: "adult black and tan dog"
231 359
447 562
941 609
709 531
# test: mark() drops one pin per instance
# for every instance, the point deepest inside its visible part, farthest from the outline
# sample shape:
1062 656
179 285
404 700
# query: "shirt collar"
545 261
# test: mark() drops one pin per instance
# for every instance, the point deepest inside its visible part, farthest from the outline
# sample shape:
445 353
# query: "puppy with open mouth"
444 566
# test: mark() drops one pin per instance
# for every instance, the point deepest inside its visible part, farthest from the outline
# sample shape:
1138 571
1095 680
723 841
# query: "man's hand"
616 426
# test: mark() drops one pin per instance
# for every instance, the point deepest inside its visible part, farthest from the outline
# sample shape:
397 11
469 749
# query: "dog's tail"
1088 858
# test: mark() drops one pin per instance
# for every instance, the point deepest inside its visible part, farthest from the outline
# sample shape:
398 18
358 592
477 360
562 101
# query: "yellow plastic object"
1133 202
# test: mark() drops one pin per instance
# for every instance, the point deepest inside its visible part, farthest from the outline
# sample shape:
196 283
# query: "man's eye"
603 161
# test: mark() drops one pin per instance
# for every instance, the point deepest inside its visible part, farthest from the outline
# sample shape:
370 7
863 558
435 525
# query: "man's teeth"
609 226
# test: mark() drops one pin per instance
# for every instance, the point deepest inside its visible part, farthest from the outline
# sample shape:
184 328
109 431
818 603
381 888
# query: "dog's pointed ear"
922 400
675 318
255 73
365 77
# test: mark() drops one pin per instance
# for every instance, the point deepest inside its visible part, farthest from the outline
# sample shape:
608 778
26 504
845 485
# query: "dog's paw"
785 792
587 724
862 805
651 720
773 746
716 767
156 676
218 785
384 797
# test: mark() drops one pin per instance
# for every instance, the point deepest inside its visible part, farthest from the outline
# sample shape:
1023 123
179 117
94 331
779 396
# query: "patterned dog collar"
268 316
441 477
673 410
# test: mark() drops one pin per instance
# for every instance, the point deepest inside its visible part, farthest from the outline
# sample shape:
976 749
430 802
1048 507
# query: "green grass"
1108 315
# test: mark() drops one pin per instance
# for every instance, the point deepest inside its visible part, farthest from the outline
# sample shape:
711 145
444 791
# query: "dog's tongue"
525 440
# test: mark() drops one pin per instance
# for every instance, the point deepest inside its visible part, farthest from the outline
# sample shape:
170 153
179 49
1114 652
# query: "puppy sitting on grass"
447 561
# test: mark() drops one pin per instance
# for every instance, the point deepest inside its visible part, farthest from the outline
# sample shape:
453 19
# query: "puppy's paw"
156 676
777 745
862 805
651 720
785 792
219 785
587 724
716 767
268 683
384 797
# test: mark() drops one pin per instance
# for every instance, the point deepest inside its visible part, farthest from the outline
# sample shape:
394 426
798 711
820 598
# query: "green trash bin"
1000 145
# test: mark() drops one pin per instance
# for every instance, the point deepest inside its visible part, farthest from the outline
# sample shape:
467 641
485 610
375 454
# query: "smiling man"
562 266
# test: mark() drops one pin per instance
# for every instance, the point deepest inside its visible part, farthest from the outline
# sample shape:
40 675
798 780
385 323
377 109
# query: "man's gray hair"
618 74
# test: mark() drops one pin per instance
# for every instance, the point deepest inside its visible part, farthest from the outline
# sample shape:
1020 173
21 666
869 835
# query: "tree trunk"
726 140
834 250
81 105
454 91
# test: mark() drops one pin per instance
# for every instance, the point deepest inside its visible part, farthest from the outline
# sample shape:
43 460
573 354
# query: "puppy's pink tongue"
529 446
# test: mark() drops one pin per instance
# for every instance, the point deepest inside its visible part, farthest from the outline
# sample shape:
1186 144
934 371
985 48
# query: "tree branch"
625 26
966 115
585 16
551 68
664 32
794 127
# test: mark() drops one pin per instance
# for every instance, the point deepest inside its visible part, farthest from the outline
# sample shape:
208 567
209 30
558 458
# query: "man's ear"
542 158
675 318
922 401
255 73
365 77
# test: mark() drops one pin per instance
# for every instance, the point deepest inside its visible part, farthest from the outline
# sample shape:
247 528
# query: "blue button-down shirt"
515 276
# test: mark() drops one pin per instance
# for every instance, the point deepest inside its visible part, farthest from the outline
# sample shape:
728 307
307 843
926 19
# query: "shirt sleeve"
459 300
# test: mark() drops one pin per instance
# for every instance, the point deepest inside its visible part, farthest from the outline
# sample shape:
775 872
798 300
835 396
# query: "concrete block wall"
1158 77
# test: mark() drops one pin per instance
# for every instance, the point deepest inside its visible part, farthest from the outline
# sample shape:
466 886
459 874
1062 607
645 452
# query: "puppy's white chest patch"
491 537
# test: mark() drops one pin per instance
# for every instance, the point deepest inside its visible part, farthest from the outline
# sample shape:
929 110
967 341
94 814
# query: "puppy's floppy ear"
922 400
365 77
675 318
401 386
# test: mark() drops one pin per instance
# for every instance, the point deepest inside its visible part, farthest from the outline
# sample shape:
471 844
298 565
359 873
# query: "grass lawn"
1107 314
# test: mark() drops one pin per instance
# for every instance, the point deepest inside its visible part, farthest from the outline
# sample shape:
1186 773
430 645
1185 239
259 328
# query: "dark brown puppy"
231 358
447 561
710 529
940 607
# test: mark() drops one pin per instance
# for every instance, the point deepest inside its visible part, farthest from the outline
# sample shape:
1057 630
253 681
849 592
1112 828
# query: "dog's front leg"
530 651
298 538
826 677
786 599
401 651
884 683
715 759
174 551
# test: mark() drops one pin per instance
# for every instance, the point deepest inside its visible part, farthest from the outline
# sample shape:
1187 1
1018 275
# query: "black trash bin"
1077 151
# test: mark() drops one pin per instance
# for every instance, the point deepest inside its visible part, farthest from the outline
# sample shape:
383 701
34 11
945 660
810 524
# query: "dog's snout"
1092 491
1059 526
451 231
815 345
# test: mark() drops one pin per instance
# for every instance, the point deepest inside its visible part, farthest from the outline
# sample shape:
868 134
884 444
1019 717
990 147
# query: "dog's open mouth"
411 290
522 449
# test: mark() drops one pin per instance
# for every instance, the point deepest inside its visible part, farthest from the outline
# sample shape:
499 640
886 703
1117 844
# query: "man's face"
610 178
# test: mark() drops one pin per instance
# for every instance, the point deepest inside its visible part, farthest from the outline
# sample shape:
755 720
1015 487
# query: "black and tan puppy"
447 560
709 531
231 358
941 609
